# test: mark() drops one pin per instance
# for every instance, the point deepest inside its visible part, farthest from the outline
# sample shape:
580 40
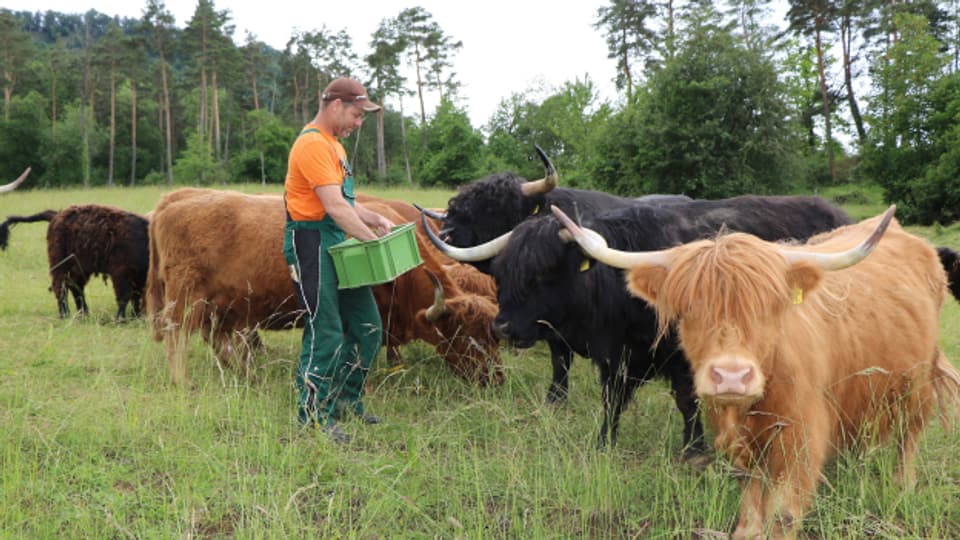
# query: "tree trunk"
133 133
166 112
113 125
403 137
845 38
53 105
256 98
828 143
423 110
216 117
381 152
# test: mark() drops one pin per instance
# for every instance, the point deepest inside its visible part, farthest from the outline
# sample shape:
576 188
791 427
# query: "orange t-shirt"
316 159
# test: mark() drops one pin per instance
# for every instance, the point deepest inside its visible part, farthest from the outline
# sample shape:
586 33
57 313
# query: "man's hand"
382 225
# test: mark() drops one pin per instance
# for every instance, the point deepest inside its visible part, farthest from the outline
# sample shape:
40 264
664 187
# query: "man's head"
345 101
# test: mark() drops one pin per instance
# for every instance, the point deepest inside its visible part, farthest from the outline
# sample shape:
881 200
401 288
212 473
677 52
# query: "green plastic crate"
376 261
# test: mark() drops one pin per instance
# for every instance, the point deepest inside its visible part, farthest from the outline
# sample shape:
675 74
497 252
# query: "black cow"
89 240
950 260
488 208
544 281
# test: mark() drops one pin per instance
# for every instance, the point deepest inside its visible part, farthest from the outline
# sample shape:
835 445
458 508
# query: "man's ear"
644 281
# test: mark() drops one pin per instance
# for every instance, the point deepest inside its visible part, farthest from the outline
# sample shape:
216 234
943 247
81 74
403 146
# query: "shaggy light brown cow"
798 351
216 267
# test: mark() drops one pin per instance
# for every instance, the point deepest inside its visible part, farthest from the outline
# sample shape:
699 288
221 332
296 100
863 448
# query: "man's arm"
355 222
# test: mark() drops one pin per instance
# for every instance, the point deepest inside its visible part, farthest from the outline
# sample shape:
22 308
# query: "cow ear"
803 277
644 281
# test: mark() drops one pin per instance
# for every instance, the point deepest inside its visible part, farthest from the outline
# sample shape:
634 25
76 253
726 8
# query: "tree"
15 52
911 123
108 55
159 22
455 151
427 50
384 64
629 38
711 124
816 17
207 39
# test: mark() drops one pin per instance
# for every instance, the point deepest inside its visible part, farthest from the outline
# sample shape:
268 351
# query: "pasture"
97 443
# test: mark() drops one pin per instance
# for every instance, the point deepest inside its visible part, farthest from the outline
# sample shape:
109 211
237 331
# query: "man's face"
348 118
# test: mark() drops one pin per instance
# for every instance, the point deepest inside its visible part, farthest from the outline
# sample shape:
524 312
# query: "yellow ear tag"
796 295
585 265
536 210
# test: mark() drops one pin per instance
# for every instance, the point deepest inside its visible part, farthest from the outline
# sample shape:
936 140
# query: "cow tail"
46 215
155 287
946 385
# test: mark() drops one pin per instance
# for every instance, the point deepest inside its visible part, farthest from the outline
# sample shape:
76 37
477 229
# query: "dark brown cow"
89 240
798 351
216 266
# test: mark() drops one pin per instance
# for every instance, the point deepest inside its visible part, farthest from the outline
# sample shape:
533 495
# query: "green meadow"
95 442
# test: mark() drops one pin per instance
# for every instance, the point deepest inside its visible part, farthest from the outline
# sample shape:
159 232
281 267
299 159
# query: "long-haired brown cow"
798 351
216 267
89 240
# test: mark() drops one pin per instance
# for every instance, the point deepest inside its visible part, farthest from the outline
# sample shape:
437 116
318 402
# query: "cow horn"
439 307
477 253
430 213
596 247
545 184
843 259
13 185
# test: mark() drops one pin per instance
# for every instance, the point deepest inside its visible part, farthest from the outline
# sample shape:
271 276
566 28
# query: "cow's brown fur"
216 266
856 361
462 336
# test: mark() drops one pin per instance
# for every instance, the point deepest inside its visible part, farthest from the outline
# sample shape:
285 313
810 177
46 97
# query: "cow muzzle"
730 379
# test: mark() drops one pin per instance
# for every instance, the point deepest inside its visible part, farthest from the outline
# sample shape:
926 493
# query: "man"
342 333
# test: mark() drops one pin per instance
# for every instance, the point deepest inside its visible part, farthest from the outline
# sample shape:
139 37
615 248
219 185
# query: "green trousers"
342 333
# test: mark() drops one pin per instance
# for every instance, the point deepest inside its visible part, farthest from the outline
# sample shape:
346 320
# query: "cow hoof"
697 458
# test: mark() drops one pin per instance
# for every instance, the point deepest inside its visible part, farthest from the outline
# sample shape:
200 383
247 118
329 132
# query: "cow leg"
61 292
795 461
122 292
694 446
750 520
616 392
561 357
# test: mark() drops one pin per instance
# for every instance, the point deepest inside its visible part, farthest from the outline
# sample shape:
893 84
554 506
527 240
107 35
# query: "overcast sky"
508 46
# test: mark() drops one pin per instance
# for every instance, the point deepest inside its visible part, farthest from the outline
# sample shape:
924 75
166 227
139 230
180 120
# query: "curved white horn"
439 307
595 246
477 253
545 184
13 185
843 259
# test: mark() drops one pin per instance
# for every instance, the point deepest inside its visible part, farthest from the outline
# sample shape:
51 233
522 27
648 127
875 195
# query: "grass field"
97 443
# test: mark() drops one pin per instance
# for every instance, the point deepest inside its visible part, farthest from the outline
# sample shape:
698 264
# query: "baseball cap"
349 91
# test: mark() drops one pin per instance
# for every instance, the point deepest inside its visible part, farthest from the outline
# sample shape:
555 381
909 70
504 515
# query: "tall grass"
97 443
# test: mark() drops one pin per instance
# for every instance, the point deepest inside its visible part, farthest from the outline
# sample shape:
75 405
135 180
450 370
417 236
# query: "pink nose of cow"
732 381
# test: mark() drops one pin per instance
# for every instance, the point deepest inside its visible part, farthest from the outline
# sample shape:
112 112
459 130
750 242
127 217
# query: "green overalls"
342 333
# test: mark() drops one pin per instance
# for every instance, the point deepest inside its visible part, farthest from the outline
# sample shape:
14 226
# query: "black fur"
545 283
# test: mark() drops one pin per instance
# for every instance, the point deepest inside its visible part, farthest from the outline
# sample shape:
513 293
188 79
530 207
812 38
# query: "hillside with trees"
714 102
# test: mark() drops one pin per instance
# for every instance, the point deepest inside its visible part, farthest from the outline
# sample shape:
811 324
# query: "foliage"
711 123
266 157
23 137
454 151
196 165
914 120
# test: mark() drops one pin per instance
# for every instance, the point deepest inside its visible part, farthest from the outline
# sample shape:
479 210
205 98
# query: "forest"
714 101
